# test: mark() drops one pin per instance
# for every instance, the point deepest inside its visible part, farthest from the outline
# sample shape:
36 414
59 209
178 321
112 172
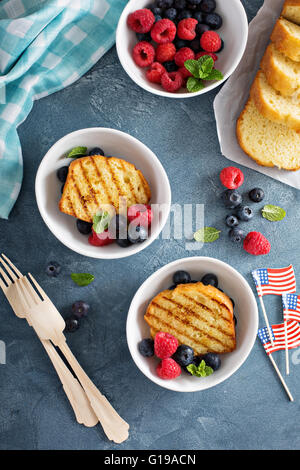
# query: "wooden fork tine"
5 277
3 286
43 294
22 297
12 265
10 272
31 290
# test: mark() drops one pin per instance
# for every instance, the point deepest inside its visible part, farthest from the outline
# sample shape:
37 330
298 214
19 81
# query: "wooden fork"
50 325
75 393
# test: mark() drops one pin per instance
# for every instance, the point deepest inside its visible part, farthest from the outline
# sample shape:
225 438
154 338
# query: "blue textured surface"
250 410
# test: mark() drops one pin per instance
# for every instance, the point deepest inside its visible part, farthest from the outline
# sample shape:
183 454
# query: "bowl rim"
171 384
143 83
163 180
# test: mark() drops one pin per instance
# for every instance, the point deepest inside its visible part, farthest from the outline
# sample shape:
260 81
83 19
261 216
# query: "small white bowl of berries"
181 48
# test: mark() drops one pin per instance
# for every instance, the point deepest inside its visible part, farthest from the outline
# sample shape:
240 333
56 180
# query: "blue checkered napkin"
45 45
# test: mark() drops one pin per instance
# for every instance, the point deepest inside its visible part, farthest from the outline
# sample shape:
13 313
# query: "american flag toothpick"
291 311
276 281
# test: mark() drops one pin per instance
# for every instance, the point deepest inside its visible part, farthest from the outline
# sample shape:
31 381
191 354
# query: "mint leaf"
82 279
207 235
201 371
194 84
193 67
206 64
273 213
215 75
76 151
101 222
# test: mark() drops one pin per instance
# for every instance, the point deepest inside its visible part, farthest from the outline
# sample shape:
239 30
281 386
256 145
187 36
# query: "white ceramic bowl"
245 310
117 144
234 32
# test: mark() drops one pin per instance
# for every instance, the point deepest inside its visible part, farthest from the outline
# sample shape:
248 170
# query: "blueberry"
181 277
62 188
180 4
210 279
137 233
256 194
170 66
53 269
170 13
196 361
231 221
155 10
198 16
222 46
157 18
245 213
195 45
213 20
236 235
96 151
80 309
208 6
172 287
118 226
179 43
231 198
123 242
194 2
191 7
235 320
212 360
165 3
143 37
146 347
184 355
84 227
72 324
201 28
182 15
62 173
233 302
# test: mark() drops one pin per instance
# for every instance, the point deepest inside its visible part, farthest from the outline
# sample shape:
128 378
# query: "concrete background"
248 411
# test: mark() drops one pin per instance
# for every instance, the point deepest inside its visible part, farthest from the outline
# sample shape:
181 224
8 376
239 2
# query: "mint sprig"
201 69
201 371
207 235
273 213
101 222
82 279
76 152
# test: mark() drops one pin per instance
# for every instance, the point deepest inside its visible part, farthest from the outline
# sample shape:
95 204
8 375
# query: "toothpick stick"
281 378
266 320
287 365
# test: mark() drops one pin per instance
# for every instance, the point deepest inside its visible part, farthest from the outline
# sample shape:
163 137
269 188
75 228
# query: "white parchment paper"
231 99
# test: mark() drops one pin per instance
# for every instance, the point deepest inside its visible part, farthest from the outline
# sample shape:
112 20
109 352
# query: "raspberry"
165 52
168 369
141 21
256 244
185 72
165 345
100 239
185 53
186 29
212 55
163 31
210 41
140 213
155 72
143 54
232 177
171 81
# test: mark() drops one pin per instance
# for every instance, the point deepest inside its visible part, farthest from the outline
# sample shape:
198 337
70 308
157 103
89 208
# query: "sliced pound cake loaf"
286 38
291 11
282 73
268 143
272 105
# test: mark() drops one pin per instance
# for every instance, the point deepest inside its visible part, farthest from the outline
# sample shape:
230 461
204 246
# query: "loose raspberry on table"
141 21
186 29
212 55
168 369
143 54
185 53
171 81
163 31
165 52
232 177
155 72
210 41
165 345
256 244
185 72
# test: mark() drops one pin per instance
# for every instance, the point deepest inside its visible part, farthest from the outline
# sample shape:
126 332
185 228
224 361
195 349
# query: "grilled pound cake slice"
197 315
96 181
272 105
286 38
267 142
291 11
282 73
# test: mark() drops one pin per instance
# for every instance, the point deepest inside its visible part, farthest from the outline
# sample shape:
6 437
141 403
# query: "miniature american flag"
291 306
274 281
278 334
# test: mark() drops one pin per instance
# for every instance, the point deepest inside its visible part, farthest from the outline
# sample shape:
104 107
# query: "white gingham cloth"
45 45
